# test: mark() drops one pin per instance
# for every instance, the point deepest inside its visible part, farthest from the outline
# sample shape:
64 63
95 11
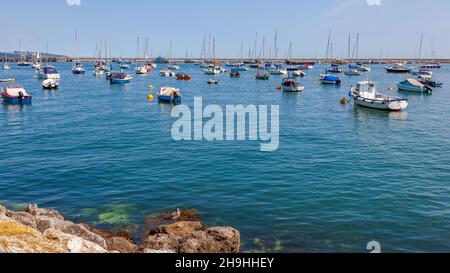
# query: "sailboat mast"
421 44
276 44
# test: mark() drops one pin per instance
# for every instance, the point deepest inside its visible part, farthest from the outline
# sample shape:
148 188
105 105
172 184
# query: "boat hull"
16 100
169 99
381 105
398 71
117 81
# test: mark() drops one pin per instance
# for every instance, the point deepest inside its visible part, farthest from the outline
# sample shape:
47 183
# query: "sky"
391 28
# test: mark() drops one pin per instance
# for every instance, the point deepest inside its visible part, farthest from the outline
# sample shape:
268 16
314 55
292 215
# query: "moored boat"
166 73
298 73
212 81
413 85
235 73
398 69
431 83
120 78
78 69
352 72
169 94
292 85
334 69
50 84
365 94
16 94
48 72
183 76
330 79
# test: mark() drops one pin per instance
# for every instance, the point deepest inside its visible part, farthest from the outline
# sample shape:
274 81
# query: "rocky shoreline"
38 230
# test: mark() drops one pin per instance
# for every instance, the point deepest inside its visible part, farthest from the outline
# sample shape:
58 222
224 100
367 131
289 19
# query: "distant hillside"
15 55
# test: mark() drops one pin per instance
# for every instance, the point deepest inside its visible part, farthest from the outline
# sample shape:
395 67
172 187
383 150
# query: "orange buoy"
278 87
344 101
390 88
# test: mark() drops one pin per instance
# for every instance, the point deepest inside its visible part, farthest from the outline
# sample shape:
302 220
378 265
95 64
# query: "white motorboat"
279 71
50 84
166 73
212 71
298 73
365 94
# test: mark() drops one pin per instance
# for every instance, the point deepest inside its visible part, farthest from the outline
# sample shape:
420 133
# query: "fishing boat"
142 70
212 81
183 76
334 69
398 69
166 73
15 94
291 85
330 79
279 71
23 63
365 94
78 69
413 85
48 72
120 78
431 83
235 73
50 84
169 94
298 73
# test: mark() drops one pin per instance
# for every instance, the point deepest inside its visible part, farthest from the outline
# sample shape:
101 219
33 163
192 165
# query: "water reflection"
366 114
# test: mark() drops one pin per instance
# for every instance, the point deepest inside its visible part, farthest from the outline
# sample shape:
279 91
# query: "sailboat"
36 62
330 78
5 63
145 68
78 68
352 70
22 61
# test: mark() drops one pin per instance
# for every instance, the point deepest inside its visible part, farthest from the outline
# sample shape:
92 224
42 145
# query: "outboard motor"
21 97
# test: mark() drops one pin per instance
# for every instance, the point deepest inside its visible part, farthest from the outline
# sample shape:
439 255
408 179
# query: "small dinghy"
298 73
235 73
291 85
423 74
211 81
15 94
183 76
8 80
365 94
431 83
169 95
50 84
330 79
413 85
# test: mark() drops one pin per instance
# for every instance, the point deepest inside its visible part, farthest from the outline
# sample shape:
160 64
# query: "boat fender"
344 101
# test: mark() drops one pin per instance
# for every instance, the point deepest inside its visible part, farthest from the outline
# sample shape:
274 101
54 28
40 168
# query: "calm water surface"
342 177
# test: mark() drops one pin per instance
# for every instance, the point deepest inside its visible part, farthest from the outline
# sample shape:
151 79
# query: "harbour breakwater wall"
232 60
37 230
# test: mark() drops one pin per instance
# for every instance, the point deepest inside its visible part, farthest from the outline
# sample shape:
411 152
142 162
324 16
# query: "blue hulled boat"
16 94
169 95
119 78
330 79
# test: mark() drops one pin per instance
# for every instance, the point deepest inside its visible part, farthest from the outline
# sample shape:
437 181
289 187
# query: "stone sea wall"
37 230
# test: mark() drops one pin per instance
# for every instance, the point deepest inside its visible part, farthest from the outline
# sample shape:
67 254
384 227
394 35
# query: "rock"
214 240
121 245
22 217
73 244
18 238
2 211
36 211
161 251
44 222
107 234
160 242
181 229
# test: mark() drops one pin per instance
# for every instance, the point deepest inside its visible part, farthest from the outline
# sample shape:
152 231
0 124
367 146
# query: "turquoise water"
342 176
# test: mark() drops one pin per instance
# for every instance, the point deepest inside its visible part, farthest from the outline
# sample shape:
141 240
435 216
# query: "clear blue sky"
393 26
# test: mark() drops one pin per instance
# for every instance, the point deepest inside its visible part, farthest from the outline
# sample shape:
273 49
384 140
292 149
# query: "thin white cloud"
73 2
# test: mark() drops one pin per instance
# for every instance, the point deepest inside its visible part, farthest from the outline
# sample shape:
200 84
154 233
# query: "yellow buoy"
344 101
150 87
150 97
